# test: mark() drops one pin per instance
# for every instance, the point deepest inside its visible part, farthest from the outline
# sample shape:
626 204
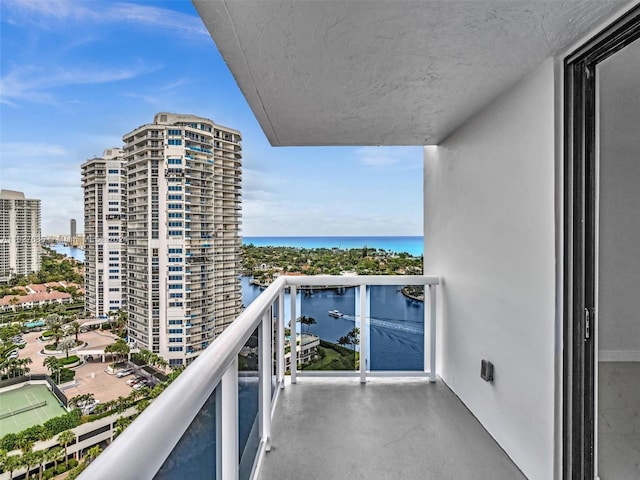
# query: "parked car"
13 354
124 373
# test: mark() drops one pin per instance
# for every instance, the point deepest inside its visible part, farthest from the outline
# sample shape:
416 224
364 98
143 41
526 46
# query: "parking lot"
91 377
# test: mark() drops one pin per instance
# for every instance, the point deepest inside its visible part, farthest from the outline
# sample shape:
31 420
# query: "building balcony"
243 414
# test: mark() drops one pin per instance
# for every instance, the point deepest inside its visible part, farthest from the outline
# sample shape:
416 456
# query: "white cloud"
40 11
32 82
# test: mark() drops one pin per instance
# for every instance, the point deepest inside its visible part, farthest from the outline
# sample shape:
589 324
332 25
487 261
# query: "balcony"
369 420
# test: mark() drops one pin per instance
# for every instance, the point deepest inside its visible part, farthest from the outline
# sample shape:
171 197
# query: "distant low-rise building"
13 302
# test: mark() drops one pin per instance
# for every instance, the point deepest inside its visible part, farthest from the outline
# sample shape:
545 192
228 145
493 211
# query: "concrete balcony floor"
392 428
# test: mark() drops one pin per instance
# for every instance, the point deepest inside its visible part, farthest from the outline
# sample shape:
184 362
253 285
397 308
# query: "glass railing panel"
326 329
194 456
248 401
396 328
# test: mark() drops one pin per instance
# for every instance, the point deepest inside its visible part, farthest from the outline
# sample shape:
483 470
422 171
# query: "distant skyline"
75 75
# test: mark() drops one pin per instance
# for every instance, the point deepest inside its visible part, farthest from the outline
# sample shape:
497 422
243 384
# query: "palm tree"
121 424
54 365
28 459
161 363
66 344
56 333
308 321
11 464
55 454
65 438
21 365
93 453
354 337
45 433
142 404
39 459
121 404
75 327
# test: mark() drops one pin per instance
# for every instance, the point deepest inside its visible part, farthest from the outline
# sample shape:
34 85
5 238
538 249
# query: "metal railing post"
230 457
293 339
266 363
363 334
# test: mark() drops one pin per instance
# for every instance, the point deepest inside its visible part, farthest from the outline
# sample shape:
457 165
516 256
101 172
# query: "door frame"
580 240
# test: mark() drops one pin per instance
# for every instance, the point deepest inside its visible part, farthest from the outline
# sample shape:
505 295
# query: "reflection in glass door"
618 266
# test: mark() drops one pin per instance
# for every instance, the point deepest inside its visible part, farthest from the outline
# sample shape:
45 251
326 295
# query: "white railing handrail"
143 447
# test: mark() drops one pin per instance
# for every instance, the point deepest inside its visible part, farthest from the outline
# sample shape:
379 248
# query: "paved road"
91 377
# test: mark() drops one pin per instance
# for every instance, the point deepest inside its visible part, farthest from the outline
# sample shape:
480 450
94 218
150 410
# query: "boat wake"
389 324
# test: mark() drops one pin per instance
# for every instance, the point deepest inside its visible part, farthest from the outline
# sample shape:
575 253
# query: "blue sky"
78 74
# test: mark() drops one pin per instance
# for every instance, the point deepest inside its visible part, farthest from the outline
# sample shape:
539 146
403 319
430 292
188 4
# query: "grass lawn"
336 358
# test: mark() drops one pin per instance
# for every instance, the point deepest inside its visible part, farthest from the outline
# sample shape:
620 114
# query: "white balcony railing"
144 450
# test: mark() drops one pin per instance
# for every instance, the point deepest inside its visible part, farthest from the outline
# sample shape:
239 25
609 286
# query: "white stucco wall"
619 197
490 232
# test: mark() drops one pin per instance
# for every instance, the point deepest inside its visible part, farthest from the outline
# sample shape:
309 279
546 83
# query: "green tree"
119 348
65 438
308 321
54 365
93 453
66 344
74 328
142 404
11 464
55 454
39 459
354 337
121 424
56 332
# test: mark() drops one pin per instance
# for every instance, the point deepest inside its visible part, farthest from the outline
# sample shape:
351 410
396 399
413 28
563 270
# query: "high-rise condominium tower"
72 228
19 234
105 193
184 192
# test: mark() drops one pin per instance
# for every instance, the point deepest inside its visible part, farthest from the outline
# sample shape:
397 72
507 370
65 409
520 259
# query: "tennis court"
26 406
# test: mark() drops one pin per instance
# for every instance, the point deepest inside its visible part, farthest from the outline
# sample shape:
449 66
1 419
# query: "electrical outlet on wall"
486 370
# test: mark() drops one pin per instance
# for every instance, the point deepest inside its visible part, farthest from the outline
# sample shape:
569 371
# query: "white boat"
336 313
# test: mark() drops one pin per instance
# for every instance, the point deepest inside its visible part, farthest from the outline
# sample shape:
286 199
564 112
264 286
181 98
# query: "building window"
176 286
174 161
175 141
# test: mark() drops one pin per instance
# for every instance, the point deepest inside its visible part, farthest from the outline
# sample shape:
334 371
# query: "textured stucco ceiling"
376 72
